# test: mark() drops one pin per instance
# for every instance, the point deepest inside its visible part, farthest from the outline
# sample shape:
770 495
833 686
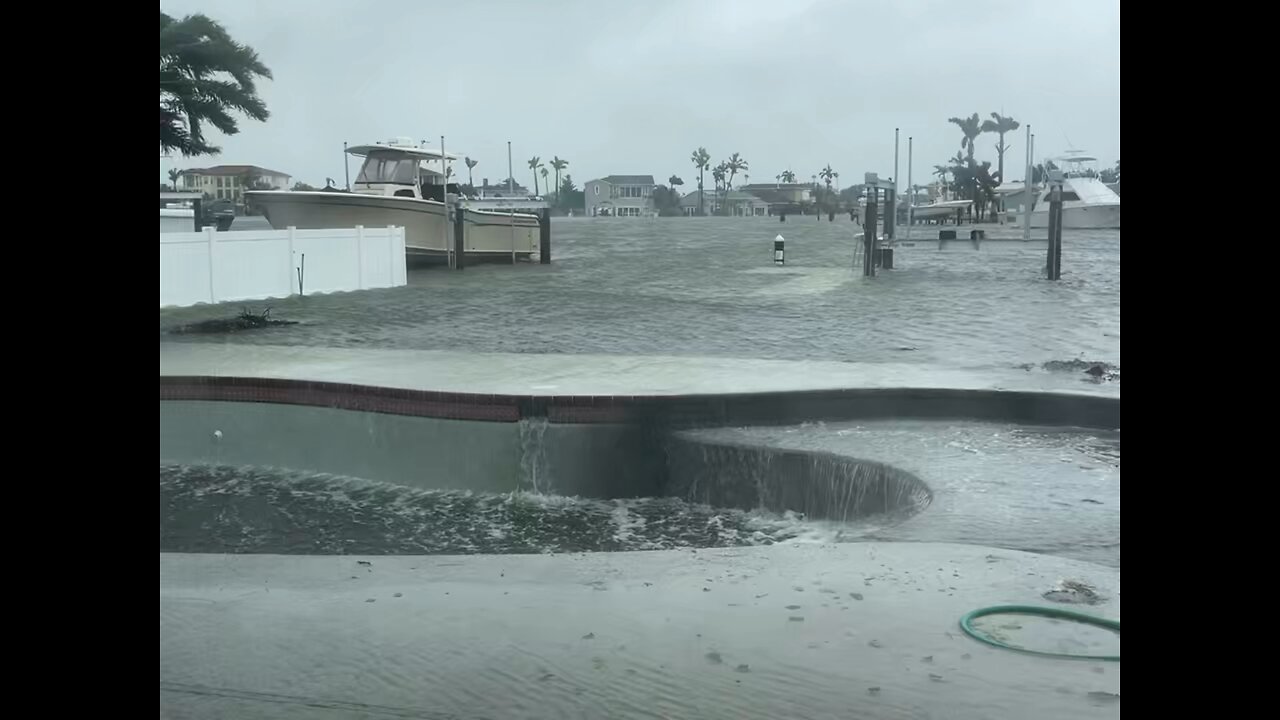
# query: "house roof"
628 179
234 170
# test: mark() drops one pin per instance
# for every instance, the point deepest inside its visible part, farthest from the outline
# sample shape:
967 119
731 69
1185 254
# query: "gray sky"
634 87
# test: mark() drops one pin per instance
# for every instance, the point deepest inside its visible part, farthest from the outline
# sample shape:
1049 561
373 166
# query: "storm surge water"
222 509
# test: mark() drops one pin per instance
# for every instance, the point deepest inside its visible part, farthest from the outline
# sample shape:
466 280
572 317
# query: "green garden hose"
966 624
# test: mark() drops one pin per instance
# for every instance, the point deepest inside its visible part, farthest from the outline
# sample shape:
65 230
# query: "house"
733 202
780 193
503 189
620 196
228 182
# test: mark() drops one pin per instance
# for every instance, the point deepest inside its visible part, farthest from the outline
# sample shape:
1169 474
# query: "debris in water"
371 600
935 677
1073 591
743 668
873 690
246 320
856 596
364 562
398 595
793 607
875 644
927 658
714 658
796 618
589 636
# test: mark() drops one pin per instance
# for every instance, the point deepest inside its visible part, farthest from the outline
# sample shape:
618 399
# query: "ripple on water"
211 508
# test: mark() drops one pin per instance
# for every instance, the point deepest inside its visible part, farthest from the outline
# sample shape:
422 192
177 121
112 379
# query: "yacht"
396 186
1087 202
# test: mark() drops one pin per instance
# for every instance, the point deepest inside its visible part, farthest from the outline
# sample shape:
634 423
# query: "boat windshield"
389 168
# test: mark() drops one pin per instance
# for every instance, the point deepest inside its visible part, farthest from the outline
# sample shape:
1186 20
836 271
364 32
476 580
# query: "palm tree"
174 174
542 170
558 164
941 171
674 181
470 164
718 173
535 162
999 124
972 128
734 165
827 174
701 160
836 176
788 177
205 76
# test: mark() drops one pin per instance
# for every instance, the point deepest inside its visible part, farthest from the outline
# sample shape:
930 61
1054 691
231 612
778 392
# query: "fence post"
210 236
293 277
359 257
392 244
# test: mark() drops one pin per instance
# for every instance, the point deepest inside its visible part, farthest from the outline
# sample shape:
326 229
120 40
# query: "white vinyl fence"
211 266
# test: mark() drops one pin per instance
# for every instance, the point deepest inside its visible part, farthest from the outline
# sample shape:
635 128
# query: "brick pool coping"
746 408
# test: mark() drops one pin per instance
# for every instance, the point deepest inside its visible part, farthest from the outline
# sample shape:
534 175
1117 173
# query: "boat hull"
428 233
1080 217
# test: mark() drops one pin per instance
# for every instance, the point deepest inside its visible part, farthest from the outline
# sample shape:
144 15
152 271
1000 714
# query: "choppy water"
208 508
707 286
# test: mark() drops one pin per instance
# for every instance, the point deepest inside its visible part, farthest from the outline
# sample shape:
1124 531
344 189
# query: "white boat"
939 210
1087 202
394 187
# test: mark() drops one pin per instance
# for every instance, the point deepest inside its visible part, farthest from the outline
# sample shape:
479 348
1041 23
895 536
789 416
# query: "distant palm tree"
972 128
836 176
1000 125
174 174
558 164
542 170
734 165
205 76
535 162
674 181
788 177
827 174
701 160
470 164
941 171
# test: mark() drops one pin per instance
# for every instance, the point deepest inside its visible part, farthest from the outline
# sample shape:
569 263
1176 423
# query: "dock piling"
459 236
544 236
1053 260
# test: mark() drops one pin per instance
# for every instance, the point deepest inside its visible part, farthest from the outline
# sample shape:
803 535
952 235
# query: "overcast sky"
633 87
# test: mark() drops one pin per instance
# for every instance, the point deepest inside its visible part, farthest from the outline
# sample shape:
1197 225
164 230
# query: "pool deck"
796 631
596 375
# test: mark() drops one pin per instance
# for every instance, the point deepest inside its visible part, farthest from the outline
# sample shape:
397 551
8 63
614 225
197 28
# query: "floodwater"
708 286
1054 491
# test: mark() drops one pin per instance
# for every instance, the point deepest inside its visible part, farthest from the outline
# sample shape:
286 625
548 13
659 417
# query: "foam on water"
213 508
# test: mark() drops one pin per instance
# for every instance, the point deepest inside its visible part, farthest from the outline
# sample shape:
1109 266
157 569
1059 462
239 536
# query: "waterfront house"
733 202
620 196
228 182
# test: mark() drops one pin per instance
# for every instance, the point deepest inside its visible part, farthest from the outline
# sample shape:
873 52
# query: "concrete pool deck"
550 375
799 631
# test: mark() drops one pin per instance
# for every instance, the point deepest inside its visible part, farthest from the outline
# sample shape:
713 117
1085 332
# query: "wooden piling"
1053 256
459 236
544 236
197 207
869 236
